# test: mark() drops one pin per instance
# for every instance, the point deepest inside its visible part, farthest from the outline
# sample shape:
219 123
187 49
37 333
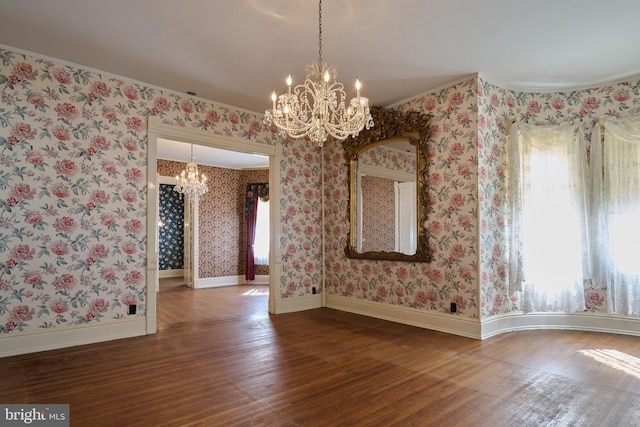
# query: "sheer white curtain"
549 247
261 245
616 210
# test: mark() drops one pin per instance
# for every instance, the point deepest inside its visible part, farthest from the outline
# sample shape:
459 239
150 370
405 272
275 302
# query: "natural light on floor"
615 359
257 292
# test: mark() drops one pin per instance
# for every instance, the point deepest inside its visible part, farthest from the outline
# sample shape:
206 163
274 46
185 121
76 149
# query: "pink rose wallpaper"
73 196
73 189
467 185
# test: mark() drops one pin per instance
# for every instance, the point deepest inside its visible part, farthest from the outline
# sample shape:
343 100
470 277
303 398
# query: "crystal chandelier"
318 108
191 183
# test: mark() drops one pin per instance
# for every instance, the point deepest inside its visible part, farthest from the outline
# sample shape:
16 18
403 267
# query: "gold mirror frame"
390 125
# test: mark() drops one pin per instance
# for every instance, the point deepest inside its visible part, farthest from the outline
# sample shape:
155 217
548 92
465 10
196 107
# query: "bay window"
572 226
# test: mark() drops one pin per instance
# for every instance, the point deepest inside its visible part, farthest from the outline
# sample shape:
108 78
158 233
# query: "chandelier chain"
320 33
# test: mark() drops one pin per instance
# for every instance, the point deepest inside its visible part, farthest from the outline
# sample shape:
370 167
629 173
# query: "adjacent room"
209 249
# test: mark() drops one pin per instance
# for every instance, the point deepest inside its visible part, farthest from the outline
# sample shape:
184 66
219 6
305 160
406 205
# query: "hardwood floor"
179 305
219 359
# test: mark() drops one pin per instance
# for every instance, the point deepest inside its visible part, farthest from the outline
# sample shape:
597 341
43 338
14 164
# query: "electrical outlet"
132 309
454 307
313 290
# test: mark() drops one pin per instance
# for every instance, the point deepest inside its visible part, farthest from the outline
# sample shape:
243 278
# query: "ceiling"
236 52
181 152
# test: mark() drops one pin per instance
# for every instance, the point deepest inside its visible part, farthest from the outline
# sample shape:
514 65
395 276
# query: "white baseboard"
449 323
51 339
490 327
164 274
216 282
291 305
593 322
259 280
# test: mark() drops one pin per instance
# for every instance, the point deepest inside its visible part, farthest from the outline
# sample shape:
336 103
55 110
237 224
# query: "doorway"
206 239
157 131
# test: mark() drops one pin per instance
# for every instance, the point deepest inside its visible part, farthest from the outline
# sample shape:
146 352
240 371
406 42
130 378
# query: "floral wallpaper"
378 214
220 216
452 276
73 149
301 217
389 158
171 230
497 108
72 197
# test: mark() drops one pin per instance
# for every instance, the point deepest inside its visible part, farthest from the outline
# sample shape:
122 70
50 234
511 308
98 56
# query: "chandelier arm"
295 133
299 128
352 126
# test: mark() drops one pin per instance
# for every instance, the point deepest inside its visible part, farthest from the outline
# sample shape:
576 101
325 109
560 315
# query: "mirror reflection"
385 191
388 200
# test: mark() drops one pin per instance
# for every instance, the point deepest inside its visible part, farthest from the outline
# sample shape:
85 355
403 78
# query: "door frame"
191 242
157 129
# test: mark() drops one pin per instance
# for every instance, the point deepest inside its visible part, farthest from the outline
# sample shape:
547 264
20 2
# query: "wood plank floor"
219 359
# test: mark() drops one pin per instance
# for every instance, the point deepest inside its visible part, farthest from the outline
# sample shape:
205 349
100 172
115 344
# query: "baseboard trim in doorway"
165 274
216 282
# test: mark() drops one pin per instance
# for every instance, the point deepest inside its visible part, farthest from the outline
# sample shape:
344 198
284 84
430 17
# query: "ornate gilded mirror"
388 188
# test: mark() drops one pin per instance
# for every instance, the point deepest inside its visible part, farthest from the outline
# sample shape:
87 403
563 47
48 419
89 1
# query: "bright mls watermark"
36 415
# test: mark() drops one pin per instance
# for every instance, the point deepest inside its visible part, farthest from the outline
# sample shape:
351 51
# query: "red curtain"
252 216
254 191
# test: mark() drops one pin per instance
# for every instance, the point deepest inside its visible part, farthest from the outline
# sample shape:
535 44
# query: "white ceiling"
236 52
181 151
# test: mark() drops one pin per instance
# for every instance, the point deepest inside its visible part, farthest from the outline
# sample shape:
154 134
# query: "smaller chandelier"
319 107
190 182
